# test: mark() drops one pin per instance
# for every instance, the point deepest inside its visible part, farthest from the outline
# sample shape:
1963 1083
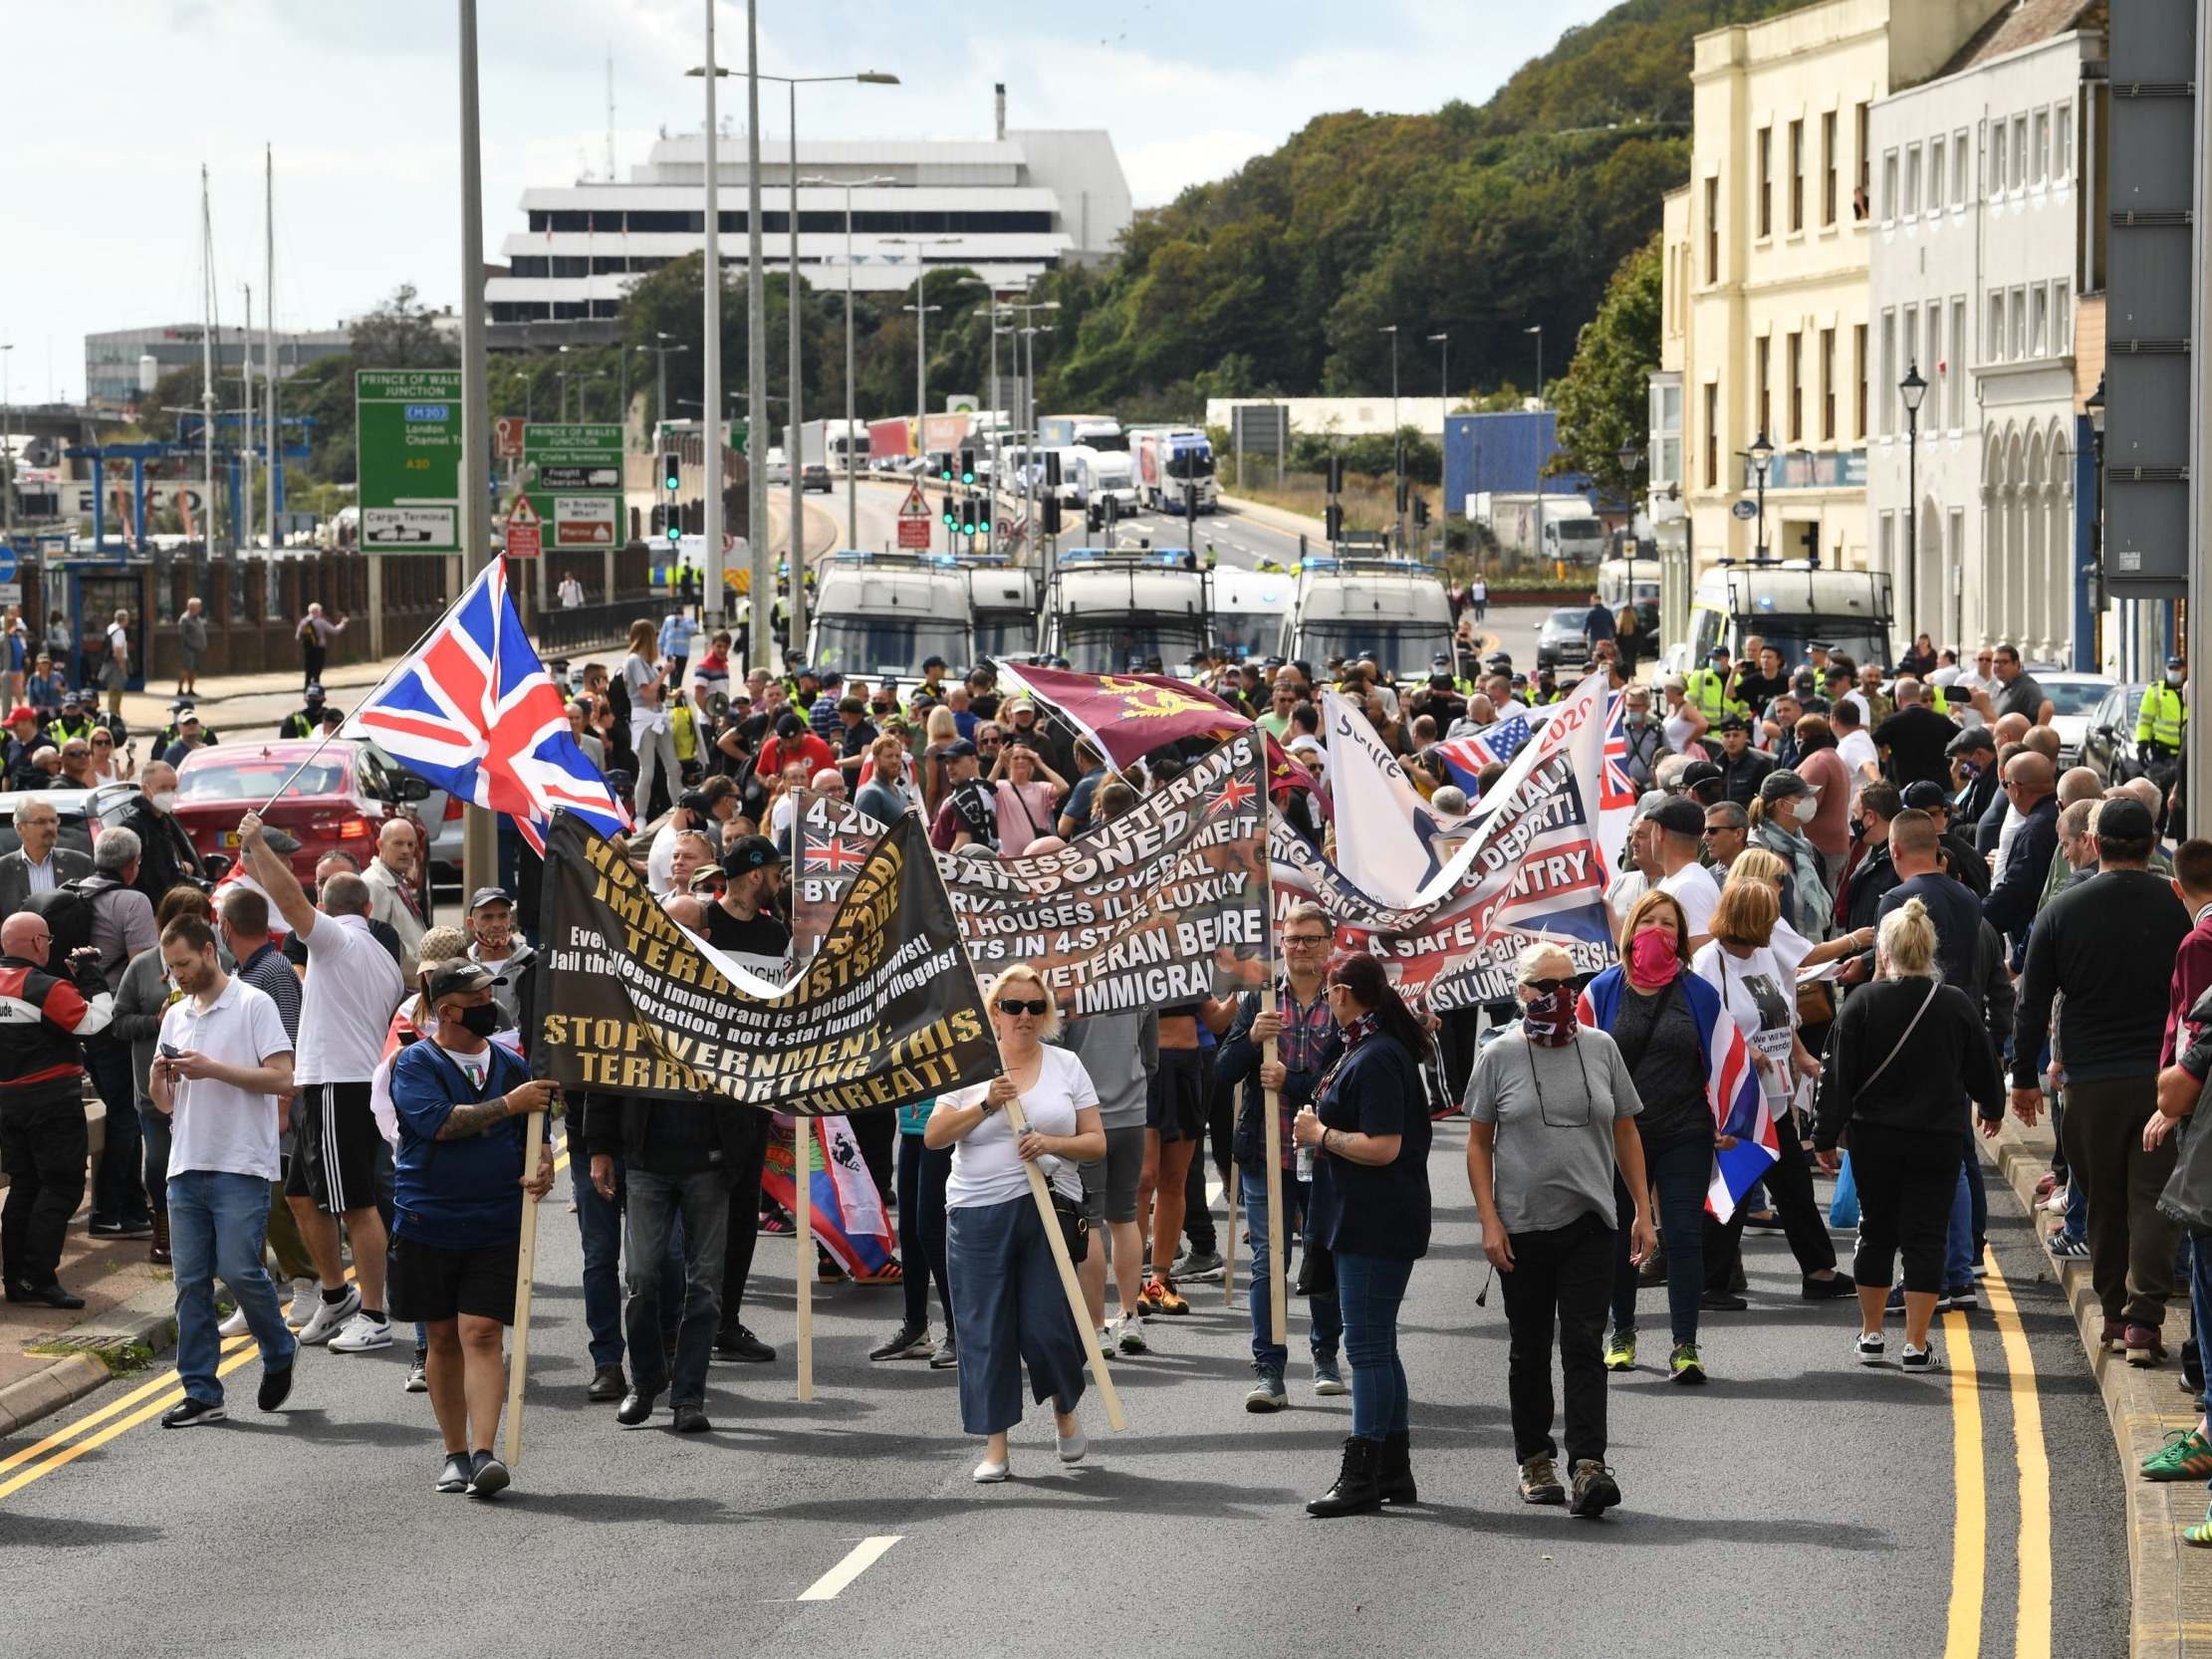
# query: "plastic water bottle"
1305 1163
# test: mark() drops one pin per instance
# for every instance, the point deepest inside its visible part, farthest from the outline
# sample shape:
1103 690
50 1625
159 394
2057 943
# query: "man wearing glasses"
1307 1045
1727 827
2031 786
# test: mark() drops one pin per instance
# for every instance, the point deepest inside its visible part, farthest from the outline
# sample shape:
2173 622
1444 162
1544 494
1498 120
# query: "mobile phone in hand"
169 1051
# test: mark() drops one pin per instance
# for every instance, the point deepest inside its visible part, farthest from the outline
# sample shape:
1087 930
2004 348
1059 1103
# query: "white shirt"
1681 730
119 642
1692 888
1855 750
986 1169
353 986
41 875
1760 995
218 1126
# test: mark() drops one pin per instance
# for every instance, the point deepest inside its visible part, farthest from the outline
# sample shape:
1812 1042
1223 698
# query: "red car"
338 802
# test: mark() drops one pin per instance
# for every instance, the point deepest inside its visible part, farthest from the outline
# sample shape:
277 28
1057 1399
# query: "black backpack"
68 914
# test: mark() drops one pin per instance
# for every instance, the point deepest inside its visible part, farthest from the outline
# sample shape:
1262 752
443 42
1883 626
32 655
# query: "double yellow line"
1970 1533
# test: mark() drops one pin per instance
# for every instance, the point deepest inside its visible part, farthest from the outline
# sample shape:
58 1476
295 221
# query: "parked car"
84 813
815 476
338 802
1560 641
2074 698
2109 747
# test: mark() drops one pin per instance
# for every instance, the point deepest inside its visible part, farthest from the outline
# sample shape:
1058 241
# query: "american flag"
1463 758
474 712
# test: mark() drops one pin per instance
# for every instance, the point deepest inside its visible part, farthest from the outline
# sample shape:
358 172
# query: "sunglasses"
1547 986
1035 1006
104 743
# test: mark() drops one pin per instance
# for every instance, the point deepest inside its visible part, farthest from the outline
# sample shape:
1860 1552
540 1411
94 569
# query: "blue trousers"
922 1174
1325 1322
218 1222
120 1182
652 1205
1013 1311
2200 1296
1369 1291
153 1135
598 1222
1680 1169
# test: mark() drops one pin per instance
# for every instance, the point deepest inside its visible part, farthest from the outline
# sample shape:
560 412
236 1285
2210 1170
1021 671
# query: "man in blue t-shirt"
457 1201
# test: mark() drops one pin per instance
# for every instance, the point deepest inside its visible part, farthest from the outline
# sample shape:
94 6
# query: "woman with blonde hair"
939 733
1791 948
1003 1280
644 679
1899 1056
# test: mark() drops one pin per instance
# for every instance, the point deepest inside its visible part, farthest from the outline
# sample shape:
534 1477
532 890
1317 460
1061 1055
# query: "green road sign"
575 481
407 433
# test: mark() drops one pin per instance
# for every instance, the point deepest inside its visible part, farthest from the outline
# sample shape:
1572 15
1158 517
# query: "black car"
2108 745
1560 641
815 476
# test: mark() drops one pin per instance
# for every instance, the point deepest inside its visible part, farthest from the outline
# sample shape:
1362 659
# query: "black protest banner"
1165 904
886 1014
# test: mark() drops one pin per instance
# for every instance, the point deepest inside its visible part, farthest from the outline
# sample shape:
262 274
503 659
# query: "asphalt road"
1798 1504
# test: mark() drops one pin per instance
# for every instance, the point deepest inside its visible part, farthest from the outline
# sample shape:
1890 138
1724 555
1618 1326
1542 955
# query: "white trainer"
363 1334
235 1326
329 1318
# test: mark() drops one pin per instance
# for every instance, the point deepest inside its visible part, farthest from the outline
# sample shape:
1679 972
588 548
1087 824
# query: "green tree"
1604 398
403 333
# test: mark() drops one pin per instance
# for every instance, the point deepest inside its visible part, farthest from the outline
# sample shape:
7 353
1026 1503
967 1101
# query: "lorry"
1094 478
1066 431
834 444
1788 603
1556 526
1001 606
1346 607
1112 610
882 616
1174 465
891 440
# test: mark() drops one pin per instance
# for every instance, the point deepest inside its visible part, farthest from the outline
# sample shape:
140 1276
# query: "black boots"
1356 1492
1394 1476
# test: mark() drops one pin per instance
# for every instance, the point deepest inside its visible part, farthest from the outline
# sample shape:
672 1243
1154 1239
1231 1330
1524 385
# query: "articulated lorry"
1174 469
1554 527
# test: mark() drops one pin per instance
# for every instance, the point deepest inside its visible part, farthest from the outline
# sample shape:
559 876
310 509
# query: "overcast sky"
360 102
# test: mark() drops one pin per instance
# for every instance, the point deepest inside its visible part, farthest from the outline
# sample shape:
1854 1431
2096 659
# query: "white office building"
1985 197
1008 208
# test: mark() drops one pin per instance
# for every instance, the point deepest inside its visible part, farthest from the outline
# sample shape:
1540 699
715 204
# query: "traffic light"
1049 515
967 516
1336 474
1420 512
1403 491
671 471
675 527
983 515
967 466
1051 468
951 517
1334 523
945 473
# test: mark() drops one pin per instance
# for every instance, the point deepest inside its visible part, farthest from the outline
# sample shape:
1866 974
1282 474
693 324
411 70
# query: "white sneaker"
235 1326
307 1296
330 1317
1129 1333
362 1333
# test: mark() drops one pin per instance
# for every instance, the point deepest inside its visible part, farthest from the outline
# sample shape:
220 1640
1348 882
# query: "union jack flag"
1235 792
474 712
1619 788
1463 758
834 857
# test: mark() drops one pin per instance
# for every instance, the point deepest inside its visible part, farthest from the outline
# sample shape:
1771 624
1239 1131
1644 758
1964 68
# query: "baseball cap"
451 978
24 711
694 801
750 853
1974 737
1679 816
934 662
1782 782
1926 796
2124 819
790 725
1699 773
960 749
708 876
1731 723
1648 802
315 695
488 896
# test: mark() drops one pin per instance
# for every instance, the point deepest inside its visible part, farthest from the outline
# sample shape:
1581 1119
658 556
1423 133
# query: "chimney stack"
998 98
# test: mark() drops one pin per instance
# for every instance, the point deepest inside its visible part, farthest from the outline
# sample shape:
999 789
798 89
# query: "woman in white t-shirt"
1006 1289
1748 966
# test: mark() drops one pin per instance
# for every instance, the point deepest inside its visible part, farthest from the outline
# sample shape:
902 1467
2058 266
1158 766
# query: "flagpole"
802 1227
1278 1323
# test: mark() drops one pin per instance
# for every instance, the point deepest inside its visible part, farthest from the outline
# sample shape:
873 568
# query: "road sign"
1743 510
577 481
7 563
914 519
408 435
507 434
913 507
522 530
11 593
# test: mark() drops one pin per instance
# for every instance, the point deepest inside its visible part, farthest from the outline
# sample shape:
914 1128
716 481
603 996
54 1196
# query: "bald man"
391 878
2031 783
43 1143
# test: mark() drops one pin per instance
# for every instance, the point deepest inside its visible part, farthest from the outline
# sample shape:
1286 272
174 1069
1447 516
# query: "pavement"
1798 1502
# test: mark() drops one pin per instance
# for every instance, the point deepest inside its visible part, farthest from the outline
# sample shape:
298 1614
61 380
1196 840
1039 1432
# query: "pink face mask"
1651 957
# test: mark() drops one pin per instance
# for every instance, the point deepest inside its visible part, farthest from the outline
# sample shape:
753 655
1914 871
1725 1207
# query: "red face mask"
1652 956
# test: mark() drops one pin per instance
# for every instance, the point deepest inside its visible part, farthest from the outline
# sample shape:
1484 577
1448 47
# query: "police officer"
1707 687
73 721
307 721
2163 717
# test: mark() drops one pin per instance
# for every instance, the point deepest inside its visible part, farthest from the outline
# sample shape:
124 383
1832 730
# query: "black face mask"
481 1022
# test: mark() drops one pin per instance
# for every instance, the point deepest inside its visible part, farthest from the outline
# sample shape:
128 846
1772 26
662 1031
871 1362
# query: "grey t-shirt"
1120 1052
1554 1110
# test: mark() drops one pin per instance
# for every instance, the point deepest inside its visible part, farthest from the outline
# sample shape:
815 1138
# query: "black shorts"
1175 1105
423 1283
334 1156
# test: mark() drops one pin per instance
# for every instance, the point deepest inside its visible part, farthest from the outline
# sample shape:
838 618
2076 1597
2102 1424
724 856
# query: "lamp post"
1631 457
851 490
660 350
1537 329
1912 389
1761 457
921 309
2096 406
1032 468
1397 449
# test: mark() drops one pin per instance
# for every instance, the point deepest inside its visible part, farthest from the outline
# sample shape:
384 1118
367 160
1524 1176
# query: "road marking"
62 1436
2032 1622
69 1454
1969 1531
863 1555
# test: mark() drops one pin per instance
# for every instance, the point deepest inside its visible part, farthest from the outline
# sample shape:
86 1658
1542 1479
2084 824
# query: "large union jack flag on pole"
474 712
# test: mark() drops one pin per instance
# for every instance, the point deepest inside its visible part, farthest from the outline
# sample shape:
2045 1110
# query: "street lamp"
1761 457
1912 389
1630 456
2095 403
661 350
1032 467
921 308
1397 448
852 496
1537 329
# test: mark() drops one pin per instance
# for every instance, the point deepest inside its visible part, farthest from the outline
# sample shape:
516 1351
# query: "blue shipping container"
1498 452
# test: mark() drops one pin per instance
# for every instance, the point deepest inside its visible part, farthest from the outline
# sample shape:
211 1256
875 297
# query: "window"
1712 230
1994 346
1886 544
1888 368
1997 158
1957 373
1794 370
1859 379
1888 186
1764 348
2039 149
1959 167
2039 321
2020 152
1797 175
2062 319
1862 130
1935 178
1666 429
1766 181
1829 161
1932 366
1712 435
2017 345
1908 347
2062 142
1827 386
1912 180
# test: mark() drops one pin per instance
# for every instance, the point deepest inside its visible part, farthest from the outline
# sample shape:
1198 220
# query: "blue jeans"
1958 1237
922 1174
2200 1298
1325 1324
217 1225
652 1207
119 1183
1680 1169
153 1135
1013 1310
1369 1291
600 1222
